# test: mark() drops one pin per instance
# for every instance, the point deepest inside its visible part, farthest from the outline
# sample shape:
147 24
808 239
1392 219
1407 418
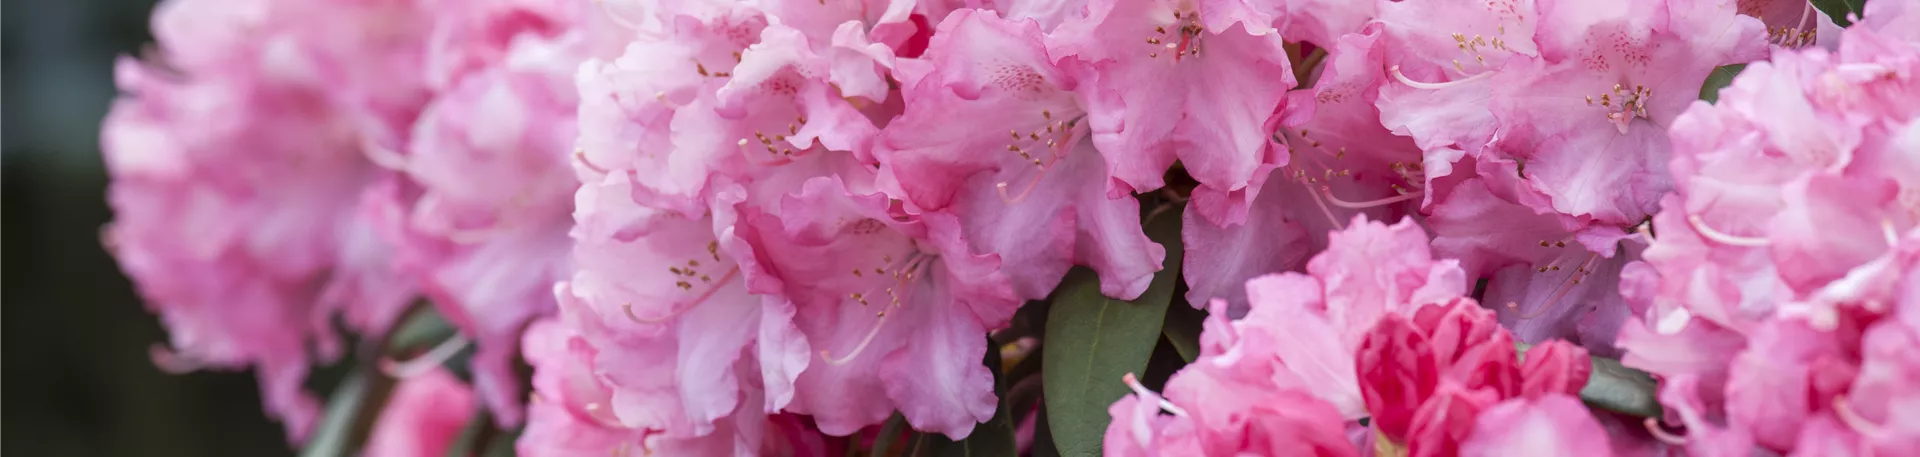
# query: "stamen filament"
1328 191
877 325
581 156
1843 410
426 362
1141 390
1323 208
1659 433
682 309
1723 237
1397 75
384 158
172 362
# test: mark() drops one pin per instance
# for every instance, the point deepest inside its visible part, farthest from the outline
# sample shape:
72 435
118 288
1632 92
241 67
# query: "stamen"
384 158
1723 237
172 362
427 361
1843 410
581 155
1328 192
1141 390
1323 208
681 309
1395 70
600 413
877 325
1659 433
1887 230
781 160
1559 292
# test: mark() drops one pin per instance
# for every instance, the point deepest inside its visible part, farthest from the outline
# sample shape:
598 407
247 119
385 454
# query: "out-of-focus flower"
422 417
239 157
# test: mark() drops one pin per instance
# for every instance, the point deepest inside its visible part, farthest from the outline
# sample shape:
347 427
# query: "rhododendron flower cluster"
824 227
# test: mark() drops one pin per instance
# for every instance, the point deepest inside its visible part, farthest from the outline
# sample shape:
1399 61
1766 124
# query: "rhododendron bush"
1037 227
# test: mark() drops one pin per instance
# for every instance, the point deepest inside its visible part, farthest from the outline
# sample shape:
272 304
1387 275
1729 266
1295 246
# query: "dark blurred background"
75 372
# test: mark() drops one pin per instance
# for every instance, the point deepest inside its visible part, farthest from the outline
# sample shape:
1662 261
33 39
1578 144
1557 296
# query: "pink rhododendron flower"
1554 424
423 416
1554 367
1223 419
668 313
238 161
483 213
1342 163
895 306
1196 83
1547 282
1314 322
1421 375
568 415
1767 291
1039 201
1588 115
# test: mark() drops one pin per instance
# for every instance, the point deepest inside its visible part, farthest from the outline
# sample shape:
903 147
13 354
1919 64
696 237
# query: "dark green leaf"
422 329
889 431
1042 436
1839 9
472 437
991 438
1718 79
349 415
1614 387
1182 329
502 444
1092 341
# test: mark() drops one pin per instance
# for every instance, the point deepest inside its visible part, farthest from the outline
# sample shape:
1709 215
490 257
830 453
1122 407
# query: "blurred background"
75 372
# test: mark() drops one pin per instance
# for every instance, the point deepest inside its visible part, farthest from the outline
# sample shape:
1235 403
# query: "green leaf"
349 415
1614 387
889 431
1839 9
473 436
1182 328
991 438
1092 341
1719 79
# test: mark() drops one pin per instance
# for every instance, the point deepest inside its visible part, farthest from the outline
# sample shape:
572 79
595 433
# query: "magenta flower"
1425 376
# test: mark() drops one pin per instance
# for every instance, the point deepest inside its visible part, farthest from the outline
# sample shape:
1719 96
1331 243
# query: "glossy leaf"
1840 10
1719 79
1182 328
1092 340
1614 387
